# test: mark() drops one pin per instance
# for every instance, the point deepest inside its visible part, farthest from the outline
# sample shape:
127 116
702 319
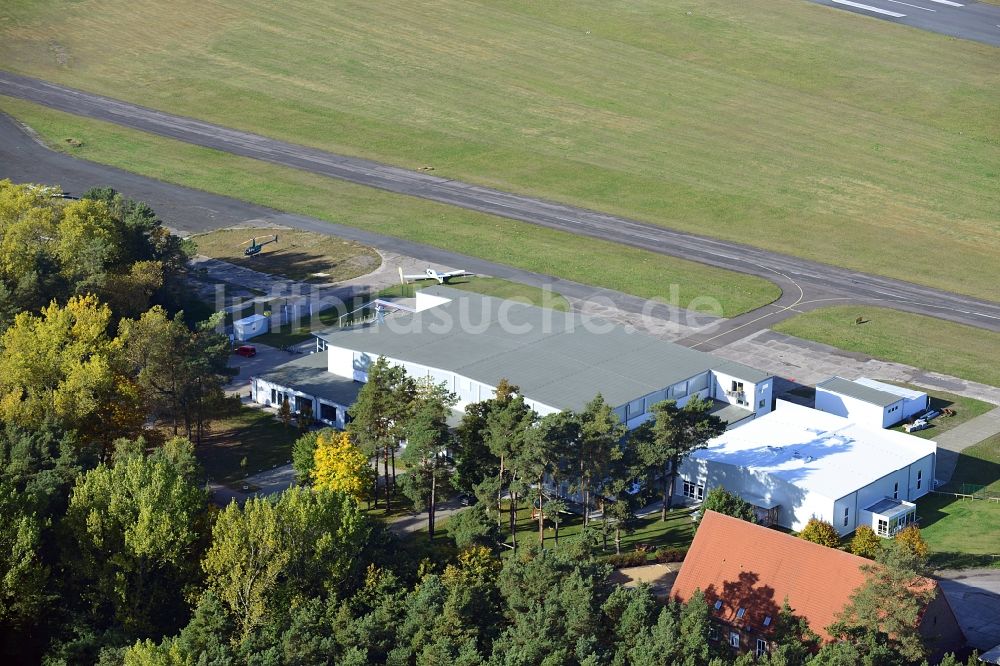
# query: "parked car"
249 351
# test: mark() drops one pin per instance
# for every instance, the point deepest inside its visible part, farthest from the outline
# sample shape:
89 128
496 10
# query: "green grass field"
781 123
965 409
963 532
924 342
514 243
298 255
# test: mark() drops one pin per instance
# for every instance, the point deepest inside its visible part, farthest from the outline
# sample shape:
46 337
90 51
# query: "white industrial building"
559 360
250 327
797 463
869 402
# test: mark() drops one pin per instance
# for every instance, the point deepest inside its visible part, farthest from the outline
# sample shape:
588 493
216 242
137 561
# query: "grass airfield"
779 123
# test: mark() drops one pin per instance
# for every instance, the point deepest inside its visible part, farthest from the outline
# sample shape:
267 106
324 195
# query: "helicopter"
256 247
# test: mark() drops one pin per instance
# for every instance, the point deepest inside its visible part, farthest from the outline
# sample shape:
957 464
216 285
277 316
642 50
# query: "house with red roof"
747 571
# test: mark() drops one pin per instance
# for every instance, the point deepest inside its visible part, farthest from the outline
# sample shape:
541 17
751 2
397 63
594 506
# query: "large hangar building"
559 360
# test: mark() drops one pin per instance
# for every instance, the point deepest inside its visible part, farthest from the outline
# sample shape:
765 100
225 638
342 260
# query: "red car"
248 351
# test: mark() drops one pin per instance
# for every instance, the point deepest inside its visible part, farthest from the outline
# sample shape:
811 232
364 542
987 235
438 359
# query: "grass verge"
526 246
758 121
923 342
298 255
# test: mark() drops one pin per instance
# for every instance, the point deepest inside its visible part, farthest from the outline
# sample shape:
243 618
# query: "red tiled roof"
755 568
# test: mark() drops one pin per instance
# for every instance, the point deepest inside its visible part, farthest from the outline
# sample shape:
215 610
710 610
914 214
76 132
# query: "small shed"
250 327
869 402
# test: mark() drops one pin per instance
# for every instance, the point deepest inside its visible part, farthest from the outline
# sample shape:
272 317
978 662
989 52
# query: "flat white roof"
252 319
814 450
902 392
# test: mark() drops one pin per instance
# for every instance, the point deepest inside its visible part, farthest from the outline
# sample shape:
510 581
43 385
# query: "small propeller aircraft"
431 274
256 247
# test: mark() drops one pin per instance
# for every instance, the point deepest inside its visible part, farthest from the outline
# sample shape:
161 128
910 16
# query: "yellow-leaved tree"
341 465
64 365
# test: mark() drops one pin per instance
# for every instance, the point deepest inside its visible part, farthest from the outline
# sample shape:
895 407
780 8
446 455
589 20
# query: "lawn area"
979 465
677 531
758 121
927 343
252 434
537 249
962 532
298 255
965 409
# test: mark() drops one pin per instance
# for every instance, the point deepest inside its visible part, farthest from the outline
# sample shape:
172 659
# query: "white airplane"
431 274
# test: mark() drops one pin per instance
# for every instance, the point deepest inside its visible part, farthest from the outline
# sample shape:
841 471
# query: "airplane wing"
421 276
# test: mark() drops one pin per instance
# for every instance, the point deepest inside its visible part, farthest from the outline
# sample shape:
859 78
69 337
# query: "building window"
767 620
694 492
274 396
718 604
327 412
761 647
734 639
740 613
920 476
883 527
713 634
846 516
895 490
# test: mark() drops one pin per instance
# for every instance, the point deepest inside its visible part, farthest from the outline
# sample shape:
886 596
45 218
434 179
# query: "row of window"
676 392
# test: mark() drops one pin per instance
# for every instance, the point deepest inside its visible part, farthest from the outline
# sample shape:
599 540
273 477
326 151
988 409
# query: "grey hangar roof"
310 374
859 391
557 358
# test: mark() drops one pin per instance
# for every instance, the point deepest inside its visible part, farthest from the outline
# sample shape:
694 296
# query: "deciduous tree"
821 532
865 542
62 365
721 500
134 529
340 466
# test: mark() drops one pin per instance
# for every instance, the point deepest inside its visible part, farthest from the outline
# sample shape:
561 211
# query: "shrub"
664 555
821 532
865 542
913 540
636 558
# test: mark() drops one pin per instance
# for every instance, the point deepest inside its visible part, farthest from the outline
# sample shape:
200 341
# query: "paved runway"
978 21
805 284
